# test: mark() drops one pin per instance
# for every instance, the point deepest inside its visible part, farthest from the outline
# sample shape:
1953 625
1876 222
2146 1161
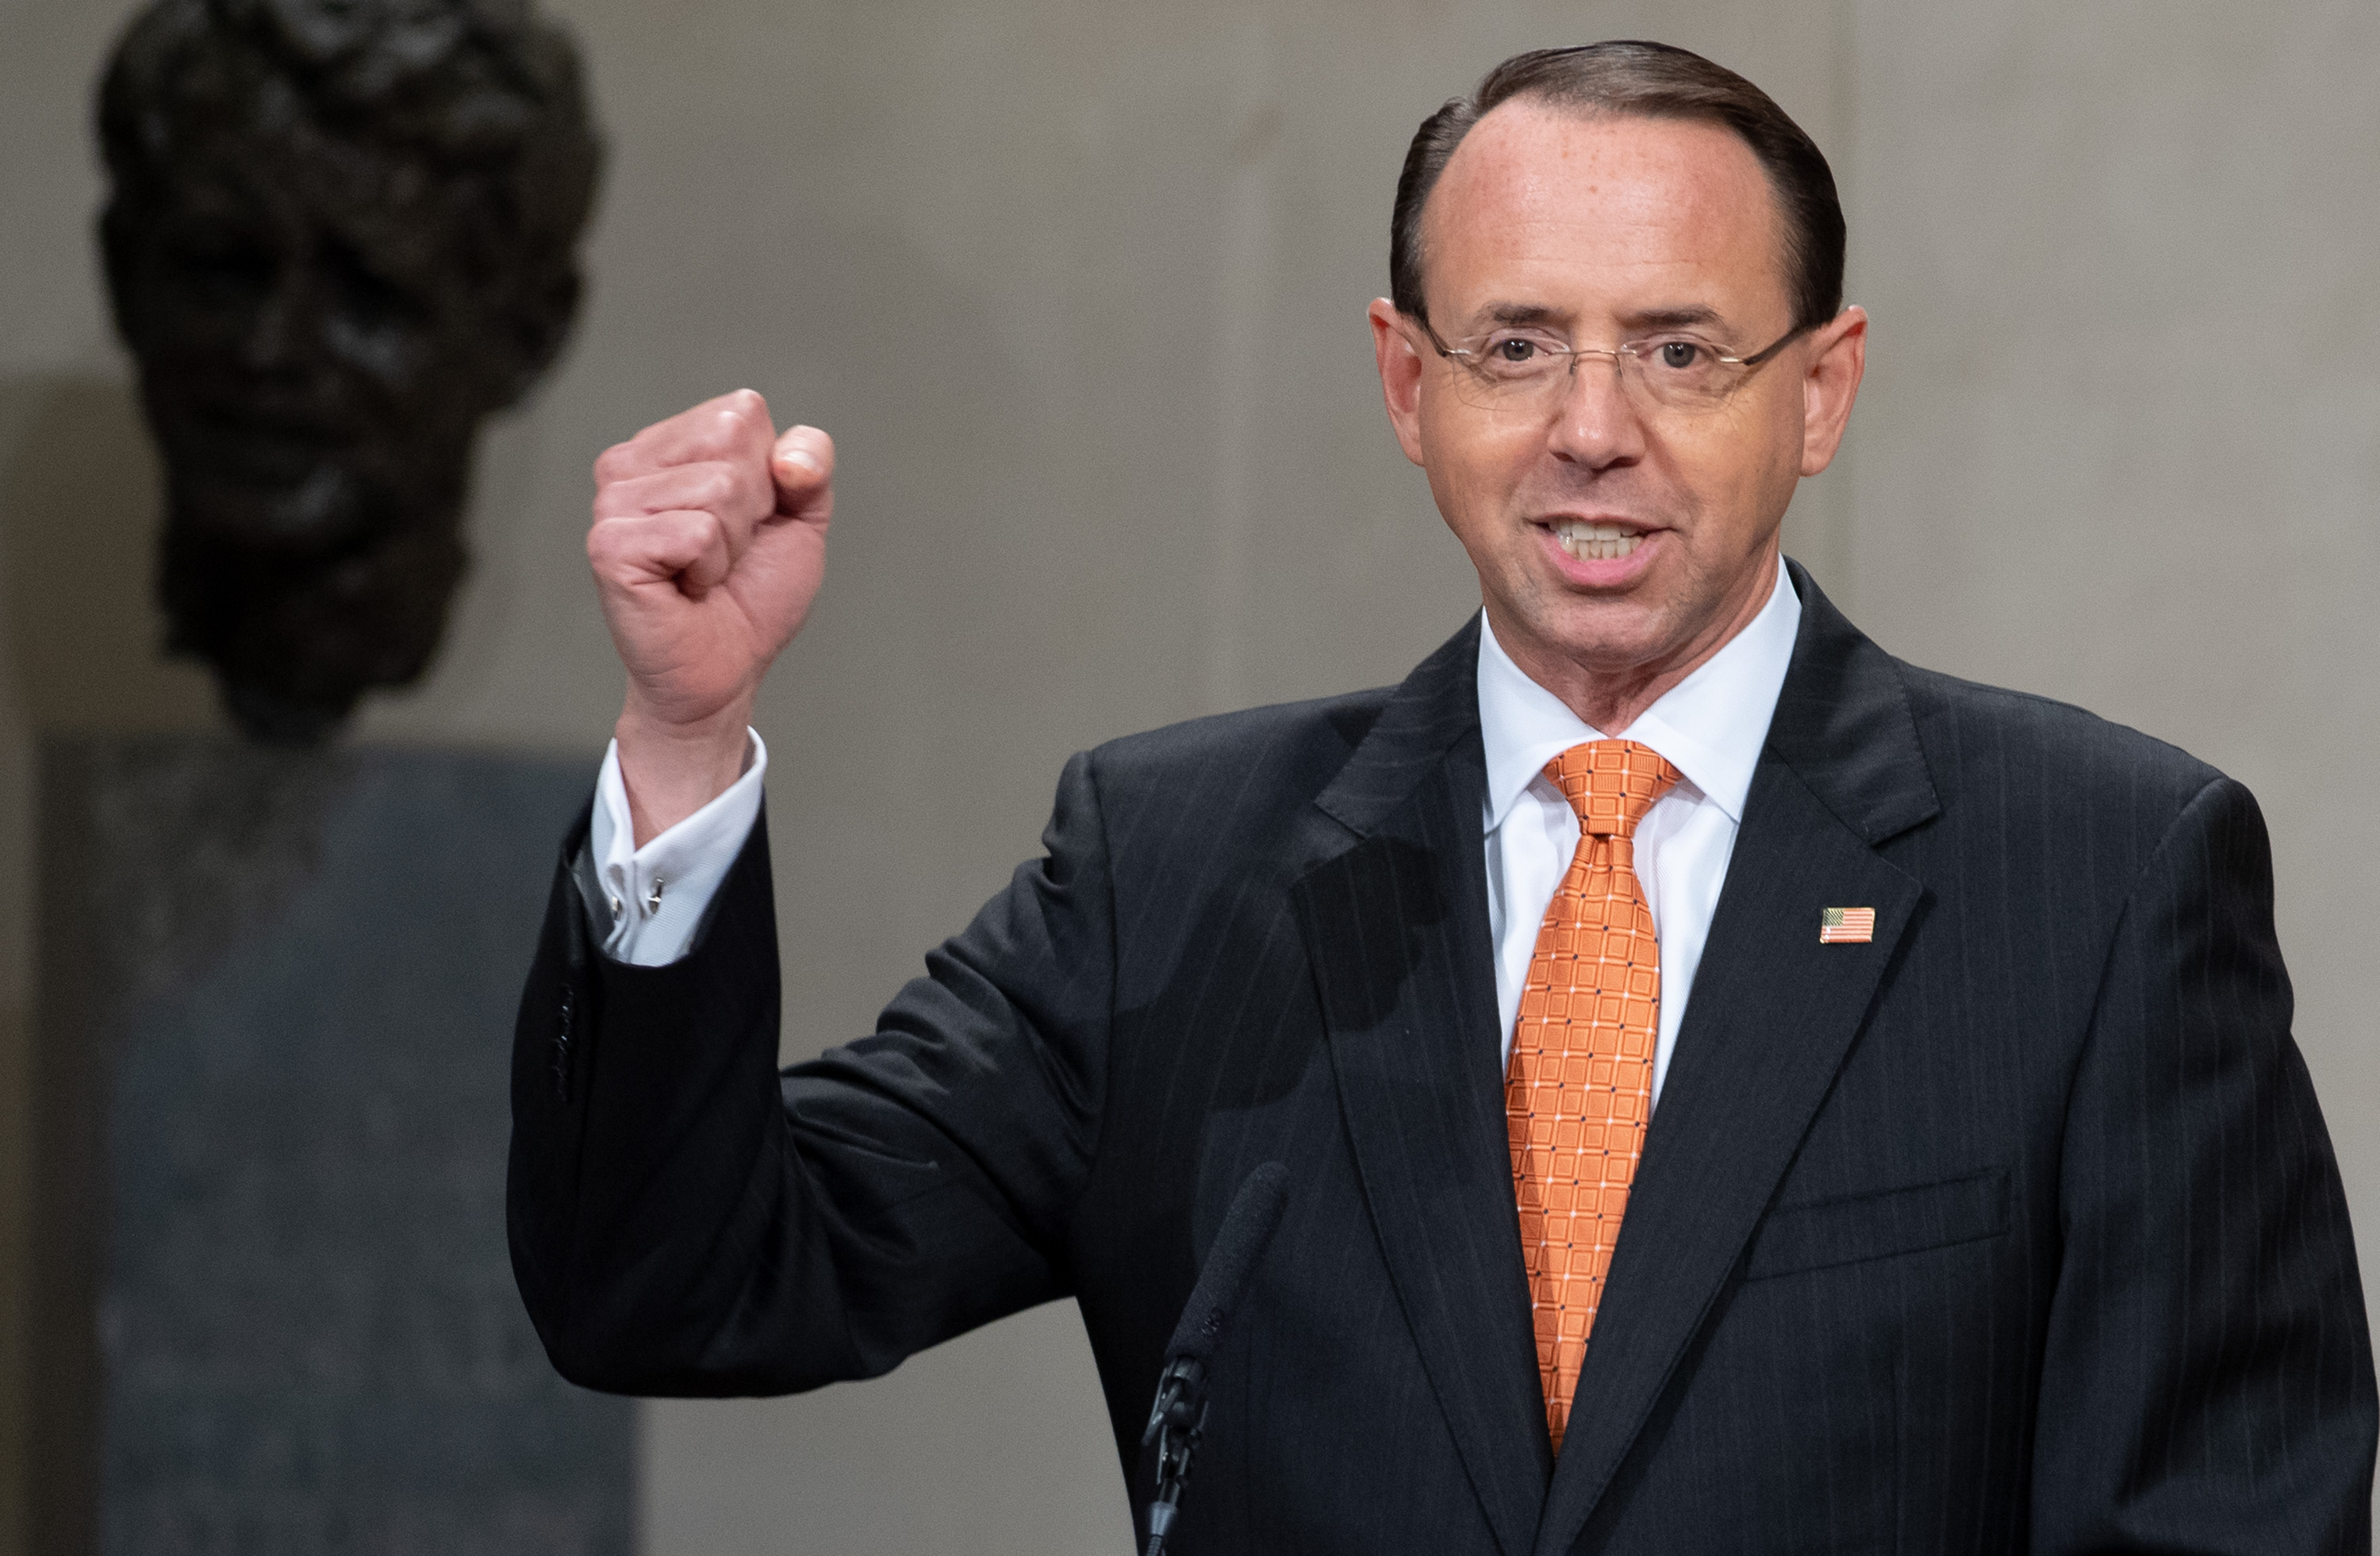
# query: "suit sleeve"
2207 1384
687 1220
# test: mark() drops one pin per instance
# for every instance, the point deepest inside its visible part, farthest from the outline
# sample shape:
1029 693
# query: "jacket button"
561 1047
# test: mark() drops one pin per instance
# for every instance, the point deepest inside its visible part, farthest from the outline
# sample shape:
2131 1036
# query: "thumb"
803 466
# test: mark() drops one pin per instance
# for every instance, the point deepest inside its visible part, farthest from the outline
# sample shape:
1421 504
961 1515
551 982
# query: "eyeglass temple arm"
1770 350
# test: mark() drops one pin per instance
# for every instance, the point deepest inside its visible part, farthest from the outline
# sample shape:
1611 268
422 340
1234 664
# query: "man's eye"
1513 349
222 271
1680 354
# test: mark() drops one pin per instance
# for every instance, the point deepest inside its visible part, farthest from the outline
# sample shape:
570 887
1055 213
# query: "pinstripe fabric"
2015 1230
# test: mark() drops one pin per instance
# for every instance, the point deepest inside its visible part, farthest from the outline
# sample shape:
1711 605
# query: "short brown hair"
1650 80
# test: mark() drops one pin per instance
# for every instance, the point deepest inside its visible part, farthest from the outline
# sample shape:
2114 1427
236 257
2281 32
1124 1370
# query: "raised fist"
708 545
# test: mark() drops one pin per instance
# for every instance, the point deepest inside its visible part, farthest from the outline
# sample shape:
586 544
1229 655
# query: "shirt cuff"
657 894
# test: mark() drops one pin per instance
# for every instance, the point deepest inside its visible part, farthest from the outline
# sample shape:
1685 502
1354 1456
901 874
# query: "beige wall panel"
2120 440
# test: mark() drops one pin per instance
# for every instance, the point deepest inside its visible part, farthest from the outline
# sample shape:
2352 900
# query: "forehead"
1589 212
290 185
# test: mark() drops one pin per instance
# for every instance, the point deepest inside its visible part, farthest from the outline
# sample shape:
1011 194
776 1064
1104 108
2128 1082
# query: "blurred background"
1079 290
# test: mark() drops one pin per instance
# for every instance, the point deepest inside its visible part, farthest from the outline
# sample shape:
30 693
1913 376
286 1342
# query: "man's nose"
1597 421
275 339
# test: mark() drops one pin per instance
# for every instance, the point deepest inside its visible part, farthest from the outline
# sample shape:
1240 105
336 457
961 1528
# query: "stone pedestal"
275 1312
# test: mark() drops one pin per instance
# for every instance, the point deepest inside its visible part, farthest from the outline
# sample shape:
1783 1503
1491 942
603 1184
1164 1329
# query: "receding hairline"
1554 103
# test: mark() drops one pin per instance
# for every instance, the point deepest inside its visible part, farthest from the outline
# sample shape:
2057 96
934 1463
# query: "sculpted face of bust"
340 235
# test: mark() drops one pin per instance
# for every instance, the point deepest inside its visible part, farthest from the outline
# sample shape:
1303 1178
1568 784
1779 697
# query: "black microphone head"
1247 1227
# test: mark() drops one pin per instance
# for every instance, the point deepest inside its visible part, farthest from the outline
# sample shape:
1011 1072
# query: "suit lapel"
1390 895
1772 1016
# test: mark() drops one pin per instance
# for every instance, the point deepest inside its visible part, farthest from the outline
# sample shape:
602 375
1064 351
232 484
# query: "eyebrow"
1515 313
1521 314
1673 318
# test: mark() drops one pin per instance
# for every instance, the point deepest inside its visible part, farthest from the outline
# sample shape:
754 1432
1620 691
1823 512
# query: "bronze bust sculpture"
340 233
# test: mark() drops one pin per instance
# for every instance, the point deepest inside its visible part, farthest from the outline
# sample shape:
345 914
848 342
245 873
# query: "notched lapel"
1393 905
1772 1015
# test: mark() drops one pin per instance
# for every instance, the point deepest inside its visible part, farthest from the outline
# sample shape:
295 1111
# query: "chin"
1607 634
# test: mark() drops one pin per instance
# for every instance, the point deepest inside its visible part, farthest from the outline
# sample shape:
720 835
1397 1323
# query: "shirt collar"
1709 726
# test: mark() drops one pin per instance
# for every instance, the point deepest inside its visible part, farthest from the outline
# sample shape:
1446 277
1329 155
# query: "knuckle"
718 439
714 487
693 530
605 543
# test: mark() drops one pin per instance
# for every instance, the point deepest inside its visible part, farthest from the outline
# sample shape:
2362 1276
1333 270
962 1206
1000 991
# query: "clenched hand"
709 543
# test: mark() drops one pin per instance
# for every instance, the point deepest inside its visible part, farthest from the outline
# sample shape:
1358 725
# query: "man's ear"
1401 367
1830 384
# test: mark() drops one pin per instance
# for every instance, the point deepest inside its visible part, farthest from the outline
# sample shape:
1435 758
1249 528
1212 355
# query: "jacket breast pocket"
1821 1234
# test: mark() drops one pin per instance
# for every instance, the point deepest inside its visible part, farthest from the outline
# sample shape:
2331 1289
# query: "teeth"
1595 542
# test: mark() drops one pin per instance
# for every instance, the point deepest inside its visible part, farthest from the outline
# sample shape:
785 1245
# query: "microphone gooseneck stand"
1177 1422
1178 1417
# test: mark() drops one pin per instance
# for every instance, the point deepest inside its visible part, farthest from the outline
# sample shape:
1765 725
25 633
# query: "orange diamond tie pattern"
1579 1090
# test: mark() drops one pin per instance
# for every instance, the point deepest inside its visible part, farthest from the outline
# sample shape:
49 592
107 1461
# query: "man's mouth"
1595 542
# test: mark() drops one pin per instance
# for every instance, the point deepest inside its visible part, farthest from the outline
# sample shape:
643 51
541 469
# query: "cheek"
435 373
1744 463
1473 459
1444 454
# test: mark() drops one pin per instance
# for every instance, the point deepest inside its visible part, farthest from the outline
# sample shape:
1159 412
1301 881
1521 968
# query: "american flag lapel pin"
1846 925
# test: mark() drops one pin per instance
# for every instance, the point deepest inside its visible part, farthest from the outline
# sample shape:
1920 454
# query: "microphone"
1178 1417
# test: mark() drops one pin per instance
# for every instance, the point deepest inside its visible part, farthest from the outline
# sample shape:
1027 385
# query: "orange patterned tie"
1580 1087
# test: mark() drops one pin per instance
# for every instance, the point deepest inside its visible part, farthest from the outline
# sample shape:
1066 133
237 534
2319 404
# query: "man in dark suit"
1738 1091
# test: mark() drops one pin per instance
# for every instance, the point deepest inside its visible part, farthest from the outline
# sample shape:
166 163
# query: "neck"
1609 699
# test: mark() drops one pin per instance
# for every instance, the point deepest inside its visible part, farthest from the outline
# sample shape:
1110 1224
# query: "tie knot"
1611 784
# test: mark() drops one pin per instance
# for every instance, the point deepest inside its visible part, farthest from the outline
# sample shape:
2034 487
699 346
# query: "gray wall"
1079 290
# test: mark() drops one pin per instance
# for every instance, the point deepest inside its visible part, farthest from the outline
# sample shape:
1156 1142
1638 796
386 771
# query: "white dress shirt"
1709 726
657 894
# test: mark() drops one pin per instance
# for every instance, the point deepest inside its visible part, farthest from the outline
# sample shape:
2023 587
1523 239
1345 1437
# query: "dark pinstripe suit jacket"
2015 1230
